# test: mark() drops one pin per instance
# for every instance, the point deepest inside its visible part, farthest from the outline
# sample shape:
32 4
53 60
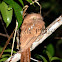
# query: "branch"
5 35
3 26
49 30
7 42
58 37
14 37
35 60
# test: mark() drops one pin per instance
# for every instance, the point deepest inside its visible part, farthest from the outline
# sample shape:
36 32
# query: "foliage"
7 8
6 54
6 13
50 48
49 54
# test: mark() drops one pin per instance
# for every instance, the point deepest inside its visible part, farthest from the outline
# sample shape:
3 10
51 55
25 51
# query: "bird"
31 28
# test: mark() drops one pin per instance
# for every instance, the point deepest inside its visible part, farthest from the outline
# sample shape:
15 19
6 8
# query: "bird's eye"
34 18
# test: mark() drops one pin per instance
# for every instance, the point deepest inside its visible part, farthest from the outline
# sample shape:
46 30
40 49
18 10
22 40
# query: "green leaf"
5 55
1 48
40 57
56 58
30 1
3 59
9 50
50 49
17 10
37 56
0 7
6 14
21 1
49 56
43 58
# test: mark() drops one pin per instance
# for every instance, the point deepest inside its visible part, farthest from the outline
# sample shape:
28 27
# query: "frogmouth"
31 28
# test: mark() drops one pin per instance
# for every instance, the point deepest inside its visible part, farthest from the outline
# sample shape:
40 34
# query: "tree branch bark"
5 35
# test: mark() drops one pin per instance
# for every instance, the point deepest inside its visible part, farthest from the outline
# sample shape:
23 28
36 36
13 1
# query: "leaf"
0 7
6 14
49 56
1 49
37 56
3 59
21 1
9 50
5 55
50 49
30 1
43 58
17 10
56 58
40 57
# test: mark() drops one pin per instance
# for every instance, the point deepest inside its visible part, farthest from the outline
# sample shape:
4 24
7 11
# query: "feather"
30 30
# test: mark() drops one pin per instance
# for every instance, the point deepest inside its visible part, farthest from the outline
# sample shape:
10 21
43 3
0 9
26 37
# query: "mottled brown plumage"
30 30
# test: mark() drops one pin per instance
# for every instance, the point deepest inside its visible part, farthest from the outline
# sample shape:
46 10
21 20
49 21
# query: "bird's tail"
25 55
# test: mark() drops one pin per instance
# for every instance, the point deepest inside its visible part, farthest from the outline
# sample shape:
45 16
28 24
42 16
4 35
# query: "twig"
24 10
14 37
39 5
4 26
50 29
58 37
36 1
35 60
5 35
17 39
7 42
